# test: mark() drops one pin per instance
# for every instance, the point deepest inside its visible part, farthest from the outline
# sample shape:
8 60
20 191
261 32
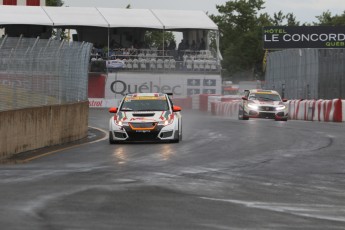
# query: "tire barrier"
228 109
317 110
308 110
205 101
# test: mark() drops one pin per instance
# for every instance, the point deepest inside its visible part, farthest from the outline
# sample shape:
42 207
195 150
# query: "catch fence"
36 72
307 73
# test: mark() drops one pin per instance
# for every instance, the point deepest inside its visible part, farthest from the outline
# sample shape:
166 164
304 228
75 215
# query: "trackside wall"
27 129
308 110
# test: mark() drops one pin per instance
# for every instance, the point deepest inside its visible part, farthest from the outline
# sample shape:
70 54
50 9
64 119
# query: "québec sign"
121 87
285 37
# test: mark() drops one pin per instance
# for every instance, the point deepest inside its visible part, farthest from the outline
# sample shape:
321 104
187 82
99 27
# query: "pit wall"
33 128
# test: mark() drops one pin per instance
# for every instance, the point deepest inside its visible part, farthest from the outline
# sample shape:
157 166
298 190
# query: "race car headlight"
166 122
281 107
253 106
121 123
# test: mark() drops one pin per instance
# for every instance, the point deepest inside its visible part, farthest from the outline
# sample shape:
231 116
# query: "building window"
32 2
10 2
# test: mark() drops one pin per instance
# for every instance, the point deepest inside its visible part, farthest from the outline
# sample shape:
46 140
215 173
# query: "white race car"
258 103
145 117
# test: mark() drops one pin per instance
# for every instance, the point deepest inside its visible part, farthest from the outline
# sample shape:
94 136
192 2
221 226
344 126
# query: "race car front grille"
146 125
267 108
142 136
280 114
267 115
143 114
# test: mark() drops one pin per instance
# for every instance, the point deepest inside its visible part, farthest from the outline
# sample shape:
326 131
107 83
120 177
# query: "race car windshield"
145 105
264 97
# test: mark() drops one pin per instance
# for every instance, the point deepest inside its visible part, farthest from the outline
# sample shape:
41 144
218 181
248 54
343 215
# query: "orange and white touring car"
145 117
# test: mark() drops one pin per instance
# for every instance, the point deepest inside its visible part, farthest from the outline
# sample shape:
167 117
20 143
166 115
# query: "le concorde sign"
285 37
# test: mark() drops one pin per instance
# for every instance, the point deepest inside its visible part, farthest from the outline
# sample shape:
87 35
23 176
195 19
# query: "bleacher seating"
142 64
160 64
153 59
153 64
189 64
129 64
135 63
166 64
172 64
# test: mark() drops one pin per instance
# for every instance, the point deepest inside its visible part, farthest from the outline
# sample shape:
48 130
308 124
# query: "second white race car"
258 103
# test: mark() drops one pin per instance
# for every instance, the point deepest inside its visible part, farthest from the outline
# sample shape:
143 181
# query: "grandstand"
118 38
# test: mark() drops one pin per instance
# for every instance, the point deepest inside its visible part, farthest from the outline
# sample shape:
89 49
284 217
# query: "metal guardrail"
36 72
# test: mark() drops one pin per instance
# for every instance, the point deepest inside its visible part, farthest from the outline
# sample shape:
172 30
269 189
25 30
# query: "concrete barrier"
33 128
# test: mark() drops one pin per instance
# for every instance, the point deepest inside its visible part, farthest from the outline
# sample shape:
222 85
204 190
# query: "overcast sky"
304 10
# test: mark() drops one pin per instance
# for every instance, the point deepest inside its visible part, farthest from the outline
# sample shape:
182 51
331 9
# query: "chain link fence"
307 73
36 72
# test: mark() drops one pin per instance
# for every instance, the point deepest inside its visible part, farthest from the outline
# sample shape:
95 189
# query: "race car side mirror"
176 108
113 110
284 100
244 98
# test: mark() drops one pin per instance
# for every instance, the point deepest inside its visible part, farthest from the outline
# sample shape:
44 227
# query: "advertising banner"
181 85
285 37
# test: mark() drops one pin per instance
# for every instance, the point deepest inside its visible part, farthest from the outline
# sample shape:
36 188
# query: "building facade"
23 2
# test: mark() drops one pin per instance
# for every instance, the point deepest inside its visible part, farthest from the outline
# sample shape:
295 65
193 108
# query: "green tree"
154 38
54 2
240 35
291 20
278 18
240 25
281 19
326 19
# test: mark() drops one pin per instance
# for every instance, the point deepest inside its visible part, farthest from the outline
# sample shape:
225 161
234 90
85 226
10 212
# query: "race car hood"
143 116
267 103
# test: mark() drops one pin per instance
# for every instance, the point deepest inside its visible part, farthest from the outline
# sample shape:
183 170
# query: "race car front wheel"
241 115
111 138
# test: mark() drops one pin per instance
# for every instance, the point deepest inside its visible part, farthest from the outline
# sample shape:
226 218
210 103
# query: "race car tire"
177 137
241 115
284 119
111 139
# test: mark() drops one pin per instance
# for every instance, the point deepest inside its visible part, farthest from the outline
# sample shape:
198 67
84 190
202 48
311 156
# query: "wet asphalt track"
225 174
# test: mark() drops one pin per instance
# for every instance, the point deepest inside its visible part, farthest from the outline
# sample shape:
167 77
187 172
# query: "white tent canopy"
23 15
175 19
104 17
138 18
75 16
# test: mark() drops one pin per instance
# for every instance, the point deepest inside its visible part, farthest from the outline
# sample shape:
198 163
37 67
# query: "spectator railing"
156 61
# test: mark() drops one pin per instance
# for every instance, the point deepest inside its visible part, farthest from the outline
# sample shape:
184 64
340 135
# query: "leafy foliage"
240 25
54 2
326 19
155 38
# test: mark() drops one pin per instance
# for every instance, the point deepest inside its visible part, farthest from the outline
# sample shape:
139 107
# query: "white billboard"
119 84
